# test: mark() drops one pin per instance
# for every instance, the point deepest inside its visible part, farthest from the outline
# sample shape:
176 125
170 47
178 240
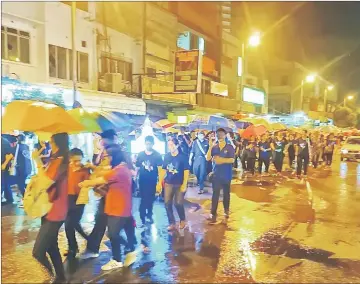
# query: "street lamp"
348 98
311 78
253 41
328 89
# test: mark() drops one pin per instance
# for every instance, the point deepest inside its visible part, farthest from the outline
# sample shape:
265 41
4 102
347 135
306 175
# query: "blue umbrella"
211 123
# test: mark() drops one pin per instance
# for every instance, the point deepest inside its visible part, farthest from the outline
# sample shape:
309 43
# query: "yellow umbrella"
86 118
277 126
38 117
257 121
171 130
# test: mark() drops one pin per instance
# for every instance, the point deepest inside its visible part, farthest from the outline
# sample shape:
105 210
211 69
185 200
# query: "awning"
111 102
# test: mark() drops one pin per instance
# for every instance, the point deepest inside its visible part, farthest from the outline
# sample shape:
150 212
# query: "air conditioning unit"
115 84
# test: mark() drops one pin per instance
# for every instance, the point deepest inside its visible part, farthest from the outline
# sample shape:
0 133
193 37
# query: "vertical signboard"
188 69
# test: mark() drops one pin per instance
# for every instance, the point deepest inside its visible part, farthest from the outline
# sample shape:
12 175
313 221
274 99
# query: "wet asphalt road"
280 230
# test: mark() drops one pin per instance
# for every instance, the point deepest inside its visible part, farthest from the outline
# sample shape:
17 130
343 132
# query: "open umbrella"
211 123
277 126
165 123
328 129
87 118
171 130
38 117
257 121
254 130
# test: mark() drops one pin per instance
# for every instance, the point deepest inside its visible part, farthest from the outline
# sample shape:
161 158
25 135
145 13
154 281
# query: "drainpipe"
74 53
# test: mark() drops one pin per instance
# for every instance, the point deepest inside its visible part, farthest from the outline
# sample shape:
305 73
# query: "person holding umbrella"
223 156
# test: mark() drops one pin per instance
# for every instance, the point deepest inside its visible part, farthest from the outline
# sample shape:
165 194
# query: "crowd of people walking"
209 156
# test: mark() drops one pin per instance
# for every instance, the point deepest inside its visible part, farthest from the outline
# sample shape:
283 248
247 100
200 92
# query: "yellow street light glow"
350 97
330 88
311 78
254 39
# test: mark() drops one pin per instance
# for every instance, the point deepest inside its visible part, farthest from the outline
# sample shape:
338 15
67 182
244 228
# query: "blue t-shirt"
264 150
148 165
224 171
303 147
251 152
196 149
175 167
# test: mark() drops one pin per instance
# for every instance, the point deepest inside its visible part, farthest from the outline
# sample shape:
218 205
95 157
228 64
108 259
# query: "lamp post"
349 98
328 89
309 79
253 41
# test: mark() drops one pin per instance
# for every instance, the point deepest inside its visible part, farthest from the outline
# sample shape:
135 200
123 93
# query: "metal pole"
144 39
243 73
74 53
345 102
325 100
143 63
301 94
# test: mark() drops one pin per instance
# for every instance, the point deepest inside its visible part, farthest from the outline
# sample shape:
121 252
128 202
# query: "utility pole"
143 49
74 53
243 72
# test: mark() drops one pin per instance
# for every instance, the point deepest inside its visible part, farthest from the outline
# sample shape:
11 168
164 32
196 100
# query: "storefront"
131 108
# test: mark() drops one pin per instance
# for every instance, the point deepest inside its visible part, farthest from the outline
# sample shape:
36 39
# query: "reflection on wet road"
280 230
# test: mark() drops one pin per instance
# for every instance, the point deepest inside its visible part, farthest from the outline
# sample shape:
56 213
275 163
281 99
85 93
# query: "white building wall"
29 17
50 23
58 33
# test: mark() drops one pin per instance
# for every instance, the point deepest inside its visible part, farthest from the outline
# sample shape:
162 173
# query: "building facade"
290 91
127 50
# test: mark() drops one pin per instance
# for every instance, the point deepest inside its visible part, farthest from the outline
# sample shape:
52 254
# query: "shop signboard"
188 69
219 89
254 96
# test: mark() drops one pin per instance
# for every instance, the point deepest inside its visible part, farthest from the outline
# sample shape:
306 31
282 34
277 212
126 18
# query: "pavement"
280 230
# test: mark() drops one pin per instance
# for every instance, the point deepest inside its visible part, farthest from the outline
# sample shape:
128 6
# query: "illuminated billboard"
254 96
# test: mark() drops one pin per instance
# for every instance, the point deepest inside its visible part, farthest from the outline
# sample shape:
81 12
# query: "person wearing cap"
198 152
223 156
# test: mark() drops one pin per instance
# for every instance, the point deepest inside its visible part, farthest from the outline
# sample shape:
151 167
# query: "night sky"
314 34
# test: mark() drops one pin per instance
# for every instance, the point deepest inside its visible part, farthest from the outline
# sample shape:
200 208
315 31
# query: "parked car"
350 150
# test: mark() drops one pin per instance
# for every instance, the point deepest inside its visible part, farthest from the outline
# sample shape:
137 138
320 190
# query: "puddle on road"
274 244
256 191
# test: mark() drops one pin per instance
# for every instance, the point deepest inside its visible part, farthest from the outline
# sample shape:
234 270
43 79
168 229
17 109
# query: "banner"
188 65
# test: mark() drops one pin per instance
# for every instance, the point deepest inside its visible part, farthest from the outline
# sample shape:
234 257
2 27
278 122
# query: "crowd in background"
112 174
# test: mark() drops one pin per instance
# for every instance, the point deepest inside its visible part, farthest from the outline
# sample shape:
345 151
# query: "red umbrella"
254 130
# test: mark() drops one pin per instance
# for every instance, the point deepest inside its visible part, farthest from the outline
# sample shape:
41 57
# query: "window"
115 65
83 59
60 64
151 72
15 45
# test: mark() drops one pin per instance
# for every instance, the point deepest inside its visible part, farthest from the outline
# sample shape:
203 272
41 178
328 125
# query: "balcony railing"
160 88
217 102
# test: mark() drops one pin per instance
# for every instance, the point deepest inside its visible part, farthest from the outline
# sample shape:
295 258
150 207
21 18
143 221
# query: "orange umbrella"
164 123
254 130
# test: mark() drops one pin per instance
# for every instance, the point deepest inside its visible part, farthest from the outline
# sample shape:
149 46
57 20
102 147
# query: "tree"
345 117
